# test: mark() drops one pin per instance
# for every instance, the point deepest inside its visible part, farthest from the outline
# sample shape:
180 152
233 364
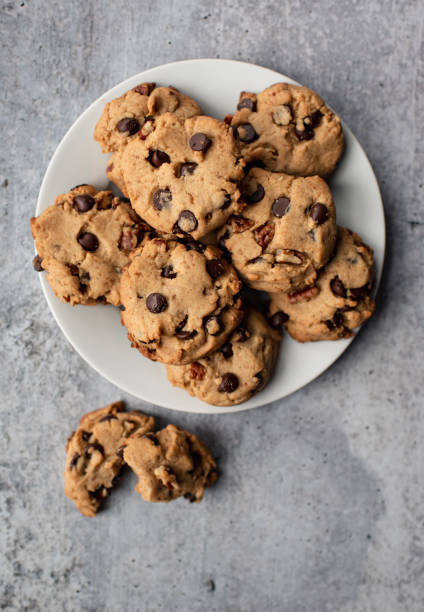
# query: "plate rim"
205 407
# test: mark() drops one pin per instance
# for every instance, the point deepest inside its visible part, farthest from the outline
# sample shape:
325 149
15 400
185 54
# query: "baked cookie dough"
170 463
132 115
286 233
289 129
114 172
183 177
83 241
238 370
181 299
340 300
94 453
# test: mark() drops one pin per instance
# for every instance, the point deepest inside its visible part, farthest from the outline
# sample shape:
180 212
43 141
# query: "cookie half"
339 301
83 241
183 178
286 233
94 453
238 370
181 300
171 463
289 129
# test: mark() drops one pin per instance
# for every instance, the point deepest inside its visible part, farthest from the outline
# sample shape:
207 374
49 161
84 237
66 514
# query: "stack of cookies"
210 209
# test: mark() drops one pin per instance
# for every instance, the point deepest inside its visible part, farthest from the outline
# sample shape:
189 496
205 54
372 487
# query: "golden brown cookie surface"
339 302
171 463
286 232
290 129
181 299
94 453
84 240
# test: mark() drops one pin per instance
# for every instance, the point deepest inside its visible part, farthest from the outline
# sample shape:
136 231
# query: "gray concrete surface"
320 504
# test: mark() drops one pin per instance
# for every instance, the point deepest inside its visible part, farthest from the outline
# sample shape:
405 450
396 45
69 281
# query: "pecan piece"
197 371
264 234
303 295
239 224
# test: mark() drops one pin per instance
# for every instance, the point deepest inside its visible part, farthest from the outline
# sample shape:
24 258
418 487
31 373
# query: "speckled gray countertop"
320 503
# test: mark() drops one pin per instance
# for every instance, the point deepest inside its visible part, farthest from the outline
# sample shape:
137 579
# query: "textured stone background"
320 503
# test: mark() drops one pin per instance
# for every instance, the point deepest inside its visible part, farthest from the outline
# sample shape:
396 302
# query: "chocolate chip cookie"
170 463
114 172
83 241
181 300
183 177
94 453
286 232
238 370
133 114
289 129
340 300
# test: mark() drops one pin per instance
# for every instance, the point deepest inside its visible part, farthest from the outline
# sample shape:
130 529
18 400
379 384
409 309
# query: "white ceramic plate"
96 332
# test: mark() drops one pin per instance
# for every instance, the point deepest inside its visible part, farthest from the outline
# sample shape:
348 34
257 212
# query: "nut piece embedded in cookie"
340 300
289 129
181 299
171 463
94 453
83 241
286 233
183 177
133 114
238 370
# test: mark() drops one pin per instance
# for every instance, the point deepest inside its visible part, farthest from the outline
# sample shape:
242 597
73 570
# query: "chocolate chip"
156 302
187 168
85 436
278 319
215 267
227 201
128 124
73 269
126 242
36 262
335 322
168 272
192 245
229 383
200 142
280 207
247 103
256 196
306 134
187 222
183 334
92 447
83 203
162 198
152 437
319 213
259 381
101 299
315 118
145 89
227 350
88 241
157 158
74 460
358 293
337 287
108 417
213 325
246 132
191 498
